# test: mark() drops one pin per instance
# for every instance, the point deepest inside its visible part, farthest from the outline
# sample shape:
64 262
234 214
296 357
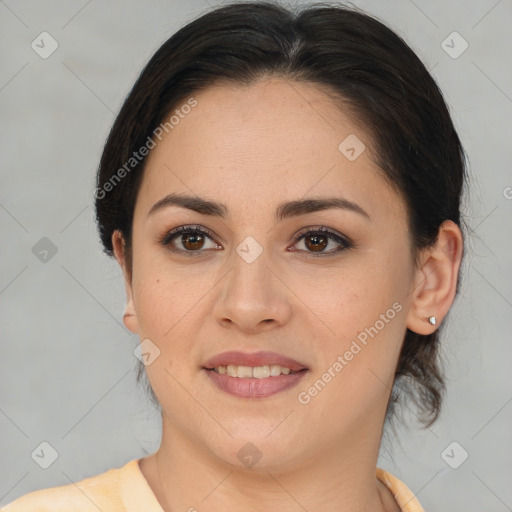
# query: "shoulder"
404 497
98 492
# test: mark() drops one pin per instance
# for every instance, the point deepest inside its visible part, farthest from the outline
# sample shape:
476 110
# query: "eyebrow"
284 210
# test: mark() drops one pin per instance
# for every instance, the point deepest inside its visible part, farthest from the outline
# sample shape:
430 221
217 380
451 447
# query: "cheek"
162 303
356 296
365 310
355 371
171 304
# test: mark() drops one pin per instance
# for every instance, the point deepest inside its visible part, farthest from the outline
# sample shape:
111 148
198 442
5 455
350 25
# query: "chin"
258 447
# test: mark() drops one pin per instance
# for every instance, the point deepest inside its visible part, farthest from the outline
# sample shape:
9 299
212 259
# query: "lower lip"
254 388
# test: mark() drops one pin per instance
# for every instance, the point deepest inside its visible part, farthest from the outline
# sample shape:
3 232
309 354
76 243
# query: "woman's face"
335 303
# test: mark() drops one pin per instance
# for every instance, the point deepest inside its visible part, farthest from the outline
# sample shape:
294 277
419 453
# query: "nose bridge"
251 293
250 278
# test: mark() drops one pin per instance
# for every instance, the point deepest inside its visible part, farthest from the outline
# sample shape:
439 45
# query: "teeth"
244 372
256 372
275 370
261 372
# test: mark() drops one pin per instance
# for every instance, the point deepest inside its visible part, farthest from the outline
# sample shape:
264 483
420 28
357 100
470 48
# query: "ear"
435 282
130 316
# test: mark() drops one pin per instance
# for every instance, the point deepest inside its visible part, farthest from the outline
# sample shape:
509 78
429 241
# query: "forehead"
275 138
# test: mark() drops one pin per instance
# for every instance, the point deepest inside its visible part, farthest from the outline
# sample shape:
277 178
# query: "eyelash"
195 229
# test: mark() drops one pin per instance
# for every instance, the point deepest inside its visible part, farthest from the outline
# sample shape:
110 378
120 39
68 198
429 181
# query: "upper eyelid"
320 229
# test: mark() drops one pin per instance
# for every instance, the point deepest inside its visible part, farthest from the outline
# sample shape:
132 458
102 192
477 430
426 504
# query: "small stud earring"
432 320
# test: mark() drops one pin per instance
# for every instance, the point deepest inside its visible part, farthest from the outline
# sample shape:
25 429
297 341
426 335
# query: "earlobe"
130 320
435 283
130 315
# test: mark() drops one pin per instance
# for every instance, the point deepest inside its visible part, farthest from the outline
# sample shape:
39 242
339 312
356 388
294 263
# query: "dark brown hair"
366 66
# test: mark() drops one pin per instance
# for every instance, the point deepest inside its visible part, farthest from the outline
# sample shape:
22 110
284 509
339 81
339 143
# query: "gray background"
67 364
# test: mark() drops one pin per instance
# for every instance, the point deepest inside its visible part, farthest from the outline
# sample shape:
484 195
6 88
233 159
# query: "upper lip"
262 358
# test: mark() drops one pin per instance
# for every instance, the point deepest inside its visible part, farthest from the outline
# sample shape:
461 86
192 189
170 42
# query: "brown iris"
316 243
196 241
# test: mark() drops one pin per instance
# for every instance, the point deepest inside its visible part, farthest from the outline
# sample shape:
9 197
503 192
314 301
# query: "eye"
193 238
317 239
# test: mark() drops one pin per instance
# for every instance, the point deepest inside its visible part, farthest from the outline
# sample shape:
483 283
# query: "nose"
253 298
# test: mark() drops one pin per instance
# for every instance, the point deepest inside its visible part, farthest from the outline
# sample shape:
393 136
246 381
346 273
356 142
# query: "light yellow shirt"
126 490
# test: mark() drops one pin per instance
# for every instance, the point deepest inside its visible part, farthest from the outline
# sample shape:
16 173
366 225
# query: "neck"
185 475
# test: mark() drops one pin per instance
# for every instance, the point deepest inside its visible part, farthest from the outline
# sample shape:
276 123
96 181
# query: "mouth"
255 375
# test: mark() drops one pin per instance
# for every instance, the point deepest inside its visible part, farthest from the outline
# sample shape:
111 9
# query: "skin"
252 148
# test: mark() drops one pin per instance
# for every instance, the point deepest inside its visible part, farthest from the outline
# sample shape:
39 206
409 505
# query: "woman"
282 193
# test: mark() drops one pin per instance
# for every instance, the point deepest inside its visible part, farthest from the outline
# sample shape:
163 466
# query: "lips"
245 386
263 358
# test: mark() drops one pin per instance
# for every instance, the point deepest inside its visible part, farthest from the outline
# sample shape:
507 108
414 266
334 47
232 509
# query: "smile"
253 375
